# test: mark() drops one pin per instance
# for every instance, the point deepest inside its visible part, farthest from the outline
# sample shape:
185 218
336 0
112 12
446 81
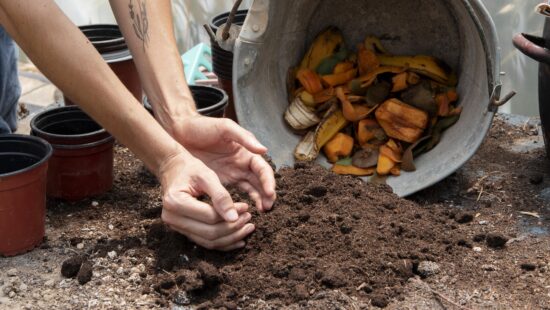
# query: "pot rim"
105 140
221 19
33 139
223 101
112 54
39 132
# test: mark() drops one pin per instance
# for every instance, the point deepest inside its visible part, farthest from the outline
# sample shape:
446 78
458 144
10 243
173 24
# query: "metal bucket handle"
495 86
543 8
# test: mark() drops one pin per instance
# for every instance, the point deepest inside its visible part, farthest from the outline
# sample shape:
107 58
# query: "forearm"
68 59
148 30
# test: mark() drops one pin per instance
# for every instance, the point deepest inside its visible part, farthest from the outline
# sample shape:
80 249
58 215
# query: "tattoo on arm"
140 21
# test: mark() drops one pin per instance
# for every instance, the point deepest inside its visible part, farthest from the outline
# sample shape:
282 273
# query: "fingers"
234 132
218 234
264 173
221 200
182 204
253 193
208 232
225 243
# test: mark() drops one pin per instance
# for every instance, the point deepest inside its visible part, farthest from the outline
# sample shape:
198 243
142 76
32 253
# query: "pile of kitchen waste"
369 111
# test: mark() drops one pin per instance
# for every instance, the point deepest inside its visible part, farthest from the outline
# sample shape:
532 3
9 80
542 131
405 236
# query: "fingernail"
247 216
231 215
241 244
249 229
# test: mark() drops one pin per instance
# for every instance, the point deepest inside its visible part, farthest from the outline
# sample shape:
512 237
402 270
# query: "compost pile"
369 111
334 233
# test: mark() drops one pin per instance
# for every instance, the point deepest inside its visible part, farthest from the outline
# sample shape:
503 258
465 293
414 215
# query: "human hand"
220 226
230 151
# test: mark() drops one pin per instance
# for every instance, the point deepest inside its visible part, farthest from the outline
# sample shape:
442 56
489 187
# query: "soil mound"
326 232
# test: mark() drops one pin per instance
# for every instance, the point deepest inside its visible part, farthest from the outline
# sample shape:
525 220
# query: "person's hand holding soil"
221 227
232 152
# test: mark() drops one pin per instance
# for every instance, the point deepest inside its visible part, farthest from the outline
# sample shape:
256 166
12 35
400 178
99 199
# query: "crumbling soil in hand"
325 232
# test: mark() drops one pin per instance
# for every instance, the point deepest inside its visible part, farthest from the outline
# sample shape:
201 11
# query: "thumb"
236 133
221 199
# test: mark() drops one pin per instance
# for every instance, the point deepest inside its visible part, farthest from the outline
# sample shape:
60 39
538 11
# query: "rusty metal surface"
277 33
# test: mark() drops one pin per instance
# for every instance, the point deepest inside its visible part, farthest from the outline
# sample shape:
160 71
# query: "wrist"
166 164
172 110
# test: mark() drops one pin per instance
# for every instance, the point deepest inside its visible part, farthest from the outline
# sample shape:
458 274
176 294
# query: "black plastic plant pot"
210 101
109 42
82 162
223 60
23 167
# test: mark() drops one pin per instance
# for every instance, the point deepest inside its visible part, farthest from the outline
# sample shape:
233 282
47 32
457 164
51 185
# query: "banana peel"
373 43
369 78
299 116
428 66
325 44
306 150
329 127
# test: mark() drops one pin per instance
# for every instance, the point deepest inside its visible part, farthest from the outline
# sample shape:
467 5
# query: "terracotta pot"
23 167
109 42
222 60
82 161
210 101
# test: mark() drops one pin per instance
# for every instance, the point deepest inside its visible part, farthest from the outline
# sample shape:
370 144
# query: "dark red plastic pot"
23 167
222 60
82 161
110 43
539 49
210 101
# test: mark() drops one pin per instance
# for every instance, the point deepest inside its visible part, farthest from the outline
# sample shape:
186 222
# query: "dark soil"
85 273
329 235
336 232
71 266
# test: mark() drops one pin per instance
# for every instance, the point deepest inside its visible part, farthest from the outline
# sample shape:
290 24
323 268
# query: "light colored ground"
37 94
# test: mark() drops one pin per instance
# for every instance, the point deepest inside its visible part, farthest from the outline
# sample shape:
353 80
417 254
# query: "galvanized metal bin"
277 33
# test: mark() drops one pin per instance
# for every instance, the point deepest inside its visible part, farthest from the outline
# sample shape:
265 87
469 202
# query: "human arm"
232 152
68 59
